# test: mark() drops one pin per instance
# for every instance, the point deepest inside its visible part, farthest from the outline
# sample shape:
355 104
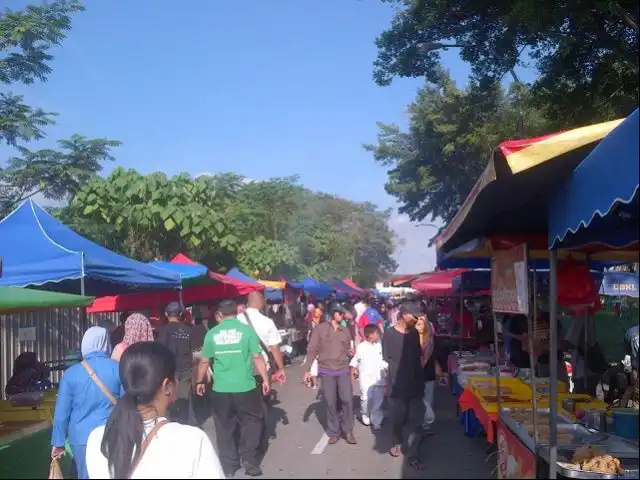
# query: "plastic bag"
55 472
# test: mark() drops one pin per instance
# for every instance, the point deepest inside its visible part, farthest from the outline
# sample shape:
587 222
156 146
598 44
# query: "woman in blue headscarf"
88 392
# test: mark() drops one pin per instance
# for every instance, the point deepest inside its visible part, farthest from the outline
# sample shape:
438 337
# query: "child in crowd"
368 366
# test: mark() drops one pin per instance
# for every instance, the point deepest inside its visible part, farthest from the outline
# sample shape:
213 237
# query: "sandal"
395 451
416 464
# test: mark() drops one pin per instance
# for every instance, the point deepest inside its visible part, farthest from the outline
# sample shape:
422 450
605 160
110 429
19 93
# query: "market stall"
200 285
528 173
25 431
596 211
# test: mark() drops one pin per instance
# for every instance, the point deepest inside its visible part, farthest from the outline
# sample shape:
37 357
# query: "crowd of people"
126 411
392 357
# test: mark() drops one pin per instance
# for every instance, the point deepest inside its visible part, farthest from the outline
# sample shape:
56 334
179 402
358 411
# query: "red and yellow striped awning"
511 194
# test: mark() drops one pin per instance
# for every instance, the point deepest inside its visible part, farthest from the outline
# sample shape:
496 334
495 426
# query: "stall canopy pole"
532 330
460 323
83 311
553 362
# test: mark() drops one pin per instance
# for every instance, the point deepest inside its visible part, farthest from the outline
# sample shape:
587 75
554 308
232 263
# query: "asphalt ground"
298 447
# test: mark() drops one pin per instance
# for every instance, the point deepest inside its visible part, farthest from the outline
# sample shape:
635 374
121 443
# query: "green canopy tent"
14 299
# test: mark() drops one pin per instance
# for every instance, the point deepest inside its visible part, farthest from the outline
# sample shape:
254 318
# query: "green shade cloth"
16 298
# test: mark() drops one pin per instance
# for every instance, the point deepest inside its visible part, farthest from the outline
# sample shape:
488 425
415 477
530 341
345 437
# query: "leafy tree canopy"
26 39
269 229
586 52
452 131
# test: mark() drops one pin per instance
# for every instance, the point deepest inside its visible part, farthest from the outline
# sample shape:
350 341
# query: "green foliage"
433 166
26 38
586 52
269 229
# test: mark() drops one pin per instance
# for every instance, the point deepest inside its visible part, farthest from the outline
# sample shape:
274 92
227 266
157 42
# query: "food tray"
579 432
568 469
516 385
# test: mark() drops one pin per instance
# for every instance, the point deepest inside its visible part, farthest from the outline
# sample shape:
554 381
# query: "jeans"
182 410
429 405
238 411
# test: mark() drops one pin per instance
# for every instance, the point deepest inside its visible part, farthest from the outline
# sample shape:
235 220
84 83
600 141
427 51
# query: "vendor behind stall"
516 327
27 372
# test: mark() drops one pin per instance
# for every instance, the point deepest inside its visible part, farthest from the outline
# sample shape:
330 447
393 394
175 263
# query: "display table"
516 458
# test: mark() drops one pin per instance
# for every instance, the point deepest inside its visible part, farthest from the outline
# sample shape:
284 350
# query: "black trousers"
407 414
182 410
242 413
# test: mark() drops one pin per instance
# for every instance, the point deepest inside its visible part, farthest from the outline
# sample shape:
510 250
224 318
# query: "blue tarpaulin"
599 202
309 285
620 284
38 250
273 295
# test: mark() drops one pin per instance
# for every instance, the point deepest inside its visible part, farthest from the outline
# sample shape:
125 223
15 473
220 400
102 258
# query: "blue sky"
263 89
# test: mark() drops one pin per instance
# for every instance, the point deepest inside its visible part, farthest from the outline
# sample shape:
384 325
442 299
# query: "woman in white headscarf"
88 392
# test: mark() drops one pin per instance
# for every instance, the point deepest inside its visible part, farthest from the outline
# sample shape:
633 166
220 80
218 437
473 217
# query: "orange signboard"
510 281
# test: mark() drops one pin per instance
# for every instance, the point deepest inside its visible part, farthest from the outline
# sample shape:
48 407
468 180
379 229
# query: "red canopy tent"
440 284
352 285
222 287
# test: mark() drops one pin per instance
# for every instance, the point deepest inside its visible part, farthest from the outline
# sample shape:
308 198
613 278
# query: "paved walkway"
299 447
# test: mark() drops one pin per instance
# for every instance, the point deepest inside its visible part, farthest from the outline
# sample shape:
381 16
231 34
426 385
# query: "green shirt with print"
230 345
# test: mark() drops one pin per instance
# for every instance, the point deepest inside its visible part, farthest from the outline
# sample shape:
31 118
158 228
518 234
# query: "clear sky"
263 89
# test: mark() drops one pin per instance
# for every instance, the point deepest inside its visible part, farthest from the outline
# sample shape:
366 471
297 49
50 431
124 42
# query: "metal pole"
532 330
553 362
83 312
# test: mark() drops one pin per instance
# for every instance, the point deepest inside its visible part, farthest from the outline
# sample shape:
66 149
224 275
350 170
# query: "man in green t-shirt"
234 348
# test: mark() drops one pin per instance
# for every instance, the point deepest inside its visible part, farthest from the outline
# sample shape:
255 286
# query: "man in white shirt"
267 333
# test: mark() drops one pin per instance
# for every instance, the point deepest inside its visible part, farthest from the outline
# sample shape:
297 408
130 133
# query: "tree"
26 38
270 229
433 166
157 217
586 53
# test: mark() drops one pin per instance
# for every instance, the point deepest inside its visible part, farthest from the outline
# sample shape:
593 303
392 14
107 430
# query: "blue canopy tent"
272 295
599 202
309 285
37 250
615 284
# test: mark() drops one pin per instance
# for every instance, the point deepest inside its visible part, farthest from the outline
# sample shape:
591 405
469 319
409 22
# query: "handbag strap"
262 344
99 384
145 444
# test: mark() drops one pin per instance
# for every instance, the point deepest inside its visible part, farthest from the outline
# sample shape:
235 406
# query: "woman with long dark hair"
138 441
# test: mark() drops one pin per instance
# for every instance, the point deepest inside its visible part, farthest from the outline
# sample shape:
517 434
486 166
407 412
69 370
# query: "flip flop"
395 452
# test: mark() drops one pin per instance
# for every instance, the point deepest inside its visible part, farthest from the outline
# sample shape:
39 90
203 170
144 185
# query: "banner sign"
510 281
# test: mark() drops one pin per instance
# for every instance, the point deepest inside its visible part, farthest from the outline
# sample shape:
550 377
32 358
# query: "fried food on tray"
492 390
586 452
602 464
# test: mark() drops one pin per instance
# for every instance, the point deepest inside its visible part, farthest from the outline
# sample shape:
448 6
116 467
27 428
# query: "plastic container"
625 423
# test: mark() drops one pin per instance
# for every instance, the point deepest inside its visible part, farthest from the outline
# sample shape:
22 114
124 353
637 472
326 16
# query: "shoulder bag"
99 384
145 444
272 360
